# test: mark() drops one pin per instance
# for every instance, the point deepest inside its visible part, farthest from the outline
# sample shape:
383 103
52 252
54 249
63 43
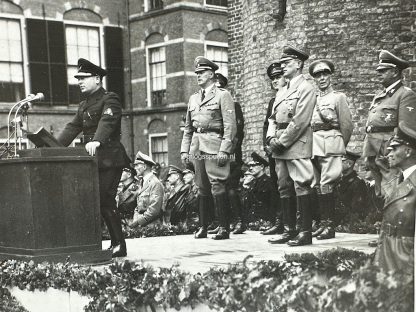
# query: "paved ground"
198 255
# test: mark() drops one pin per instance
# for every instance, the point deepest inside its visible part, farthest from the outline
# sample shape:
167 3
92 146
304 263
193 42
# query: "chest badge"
388 118
108 111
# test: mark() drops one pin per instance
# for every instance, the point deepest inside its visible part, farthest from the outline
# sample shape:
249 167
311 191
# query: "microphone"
34 97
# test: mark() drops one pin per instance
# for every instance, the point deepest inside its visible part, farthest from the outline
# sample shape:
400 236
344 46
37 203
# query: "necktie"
202 95
401 178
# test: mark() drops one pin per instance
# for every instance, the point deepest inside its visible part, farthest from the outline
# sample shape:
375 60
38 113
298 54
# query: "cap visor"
79 75
385 66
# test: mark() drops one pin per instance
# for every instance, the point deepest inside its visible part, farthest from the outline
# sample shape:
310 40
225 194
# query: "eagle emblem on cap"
108 111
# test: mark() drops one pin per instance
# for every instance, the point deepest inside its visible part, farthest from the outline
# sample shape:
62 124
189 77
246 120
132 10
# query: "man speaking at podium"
99 119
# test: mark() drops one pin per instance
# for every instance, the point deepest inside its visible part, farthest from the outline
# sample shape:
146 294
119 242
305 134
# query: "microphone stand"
18 105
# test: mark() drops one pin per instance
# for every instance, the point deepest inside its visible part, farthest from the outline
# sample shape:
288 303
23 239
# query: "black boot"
203 204
305 235
237 212
240 228
120 250
214 231
288 206
277 228
328 205
220 206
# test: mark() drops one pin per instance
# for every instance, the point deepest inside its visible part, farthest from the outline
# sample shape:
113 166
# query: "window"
222 3
11 61
219 55
157 70
155 5
81 42
159 147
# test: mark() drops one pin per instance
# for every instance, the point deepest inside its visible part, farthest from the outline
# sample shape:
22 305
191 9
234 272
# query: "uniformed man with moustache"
290 139
275 74
99 119
352 191
208 140
395 250
332 128
150 197
175 207
394 104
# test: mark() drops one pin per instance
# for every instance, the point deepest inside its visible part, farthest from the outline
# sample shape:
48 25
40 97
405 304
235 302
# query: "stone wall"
349 32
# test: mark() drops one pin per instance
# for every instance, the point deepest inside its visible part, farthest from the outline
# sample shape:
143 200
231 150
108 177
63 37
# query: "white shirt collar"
208 88
392 85
408 172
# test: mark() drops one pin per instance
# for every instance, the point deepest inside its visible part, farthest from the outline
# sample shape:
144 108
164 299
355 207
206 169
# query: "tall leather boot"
288 206
321 212
329 206
113 223
305 235
237 212
203 204
220 202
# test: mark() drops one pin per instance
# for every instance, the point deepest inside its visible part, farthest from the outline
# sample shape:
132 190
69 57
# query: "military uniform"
395 250
210 129
386 111
99 119
290 137
332 128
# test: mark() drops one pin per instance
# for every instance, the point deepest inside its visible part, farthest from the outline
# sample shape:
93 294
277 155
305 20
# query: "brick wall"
349 32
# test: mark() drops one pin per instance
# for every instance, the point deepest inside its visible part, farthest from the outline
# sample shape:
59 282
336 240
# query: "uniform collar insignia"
108 111
326 91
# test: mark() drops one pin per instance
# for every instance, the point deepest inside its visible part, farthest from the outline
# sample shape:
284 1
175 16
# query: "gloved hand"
268 150
222 159
91 147
276 146
185 158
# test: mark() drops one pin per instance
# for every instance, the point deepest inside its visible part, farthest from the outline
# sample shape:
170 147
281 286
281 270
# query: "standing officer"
290 139
208 140
99 118
332 128
394 104
395 250
275 73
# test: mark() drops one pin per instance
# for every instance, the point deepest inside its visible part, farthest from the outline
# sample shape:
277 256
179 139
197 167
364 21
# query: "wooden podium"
49 208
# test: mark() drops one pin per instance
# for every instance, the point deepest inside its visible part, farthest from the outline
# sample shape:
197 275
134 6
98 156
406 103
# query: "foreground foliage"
335 280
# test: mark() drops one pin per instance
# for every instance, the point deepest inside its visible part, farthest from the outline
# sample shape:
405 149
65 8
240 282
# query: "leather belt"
282 125
393 230
324 126
374 129
207 130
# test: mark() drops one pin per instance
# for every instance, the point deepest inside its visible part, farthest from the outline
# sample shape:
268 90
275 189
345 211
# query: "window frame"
159 135
25 56
216 6
101 47
148 76
147 6
219 44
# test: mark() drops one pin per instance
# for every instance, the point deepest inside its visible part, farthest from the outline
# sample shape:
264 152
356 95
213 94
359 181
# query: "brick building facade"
148 47
349 32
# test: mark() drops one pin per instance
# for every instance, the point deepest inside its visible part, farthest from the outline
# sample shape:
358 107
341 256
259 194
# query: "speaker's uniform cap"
88 69
274 69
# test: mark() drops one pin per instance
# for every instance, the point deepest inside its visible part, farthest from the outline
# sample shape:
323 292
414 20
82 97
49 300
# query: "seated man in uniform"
126 198
395 250
260 203
191 199
175 211
150 197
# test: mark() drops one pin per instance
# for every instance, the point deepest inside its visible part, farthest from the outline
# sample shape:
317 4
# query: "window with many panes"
219 55
159 148
155 5
81 42
222 3
157 71
11 61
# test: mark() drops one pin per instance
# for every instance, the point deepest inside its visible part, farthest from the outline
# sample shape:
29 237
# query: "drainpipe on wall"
130 93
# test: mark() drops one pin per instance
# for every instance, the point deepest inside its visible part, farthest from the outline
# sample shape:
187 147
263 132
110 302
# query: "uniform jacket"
176 203
239 134
387 110
216 111
393 251
262 201
294 106
99 118
331 109
150 201
353 196
266 120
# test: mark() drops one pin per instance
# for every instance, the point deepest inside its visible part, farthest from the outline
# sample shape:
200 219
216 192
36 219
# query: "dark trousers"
108 181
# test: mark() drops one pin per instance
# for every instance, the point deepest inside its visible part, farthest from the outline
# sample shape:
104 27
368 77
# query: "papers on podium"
42 138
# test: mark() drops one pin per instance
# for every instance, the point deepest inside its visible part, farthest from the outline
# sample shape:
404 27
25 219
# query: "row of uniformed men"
307 135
